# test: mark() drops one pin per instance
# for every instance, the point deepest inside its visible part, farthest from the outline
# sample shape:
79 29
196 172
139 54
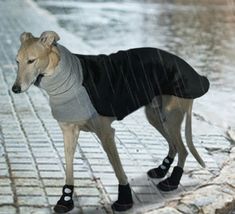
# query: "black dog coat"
120 83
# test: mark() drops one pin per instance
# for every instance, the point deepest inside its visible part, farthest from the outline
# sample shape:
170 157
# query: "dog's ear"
25 36
48 38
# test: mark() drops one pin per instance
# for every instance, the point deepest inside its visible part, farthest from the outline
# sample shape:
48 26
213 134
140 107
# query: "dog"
87 93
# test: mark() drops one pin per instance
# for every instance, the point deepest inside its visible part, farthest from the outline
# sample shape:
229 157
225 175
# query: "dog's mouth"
38 80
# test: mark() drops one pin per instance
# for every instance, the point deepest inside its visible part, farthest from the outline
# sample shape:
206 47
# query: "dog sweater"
120 83
68 98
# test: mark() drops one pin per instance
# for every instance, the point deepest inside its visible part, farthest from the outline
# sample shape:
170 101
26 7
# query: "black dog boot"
124 201
161 171
65 203
172 182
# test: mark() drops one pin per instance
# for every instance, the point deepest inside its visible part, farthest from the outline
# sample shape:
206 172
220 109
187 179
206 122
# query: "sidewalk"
31 146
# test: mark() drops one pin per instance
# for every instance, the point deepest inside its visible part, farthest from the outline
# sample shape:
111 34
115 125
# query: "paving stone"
113 197
53 182
91 149
80 174
133 169
26 191
188 181
93 210
43 154
31 200
6 199
19 155
95 155
4 181
26 182
46 149
35 143
148 197
51 174
20 160
107 182
34 210
54 191
86 191
78 160
49 167
144 189
102 168
99 162
24 174
46 160
140 179
7 210
89 201
53 199
5 190
22 167
111 189
23 148
4 173
109 177
84 182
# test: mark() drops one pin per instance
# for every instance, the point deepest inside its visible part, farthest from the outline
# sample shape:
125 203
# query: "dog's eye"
30 61
17 61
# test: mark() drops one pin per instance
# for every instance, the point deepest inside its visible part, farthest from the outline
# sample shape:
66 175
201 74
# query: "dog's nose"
16 89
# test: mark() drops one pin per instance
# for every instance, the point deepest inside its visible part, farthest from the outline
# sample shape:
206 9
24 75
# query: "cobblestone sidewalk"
31 147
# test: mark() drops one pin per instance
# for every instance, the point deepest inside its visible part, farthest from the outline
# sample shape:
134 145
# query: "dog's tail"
188 136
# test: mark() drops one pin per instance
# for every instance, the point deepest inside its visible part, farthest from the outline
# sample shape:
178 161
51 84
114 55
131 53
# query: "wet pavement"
31 147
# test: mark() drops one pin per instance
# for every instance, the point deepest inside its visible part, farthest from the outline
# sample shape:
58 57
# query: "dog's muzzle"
38 80
16 89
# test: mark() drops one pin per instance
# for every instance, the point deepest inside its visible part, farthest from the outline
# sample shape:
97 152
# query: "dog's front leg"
70 134
124 201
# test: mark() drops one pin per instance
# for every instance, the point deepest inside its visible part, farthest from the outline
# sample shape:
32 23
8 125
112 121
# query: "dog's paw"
59 208
124 201
167 185
157 172
121 207
172 182
161 171
65 203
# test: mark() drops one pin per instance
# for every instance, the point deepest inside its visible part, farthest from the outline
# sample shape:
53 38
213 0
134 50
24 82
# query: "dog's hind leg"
106 135
173 181
157 118
175 112
70 134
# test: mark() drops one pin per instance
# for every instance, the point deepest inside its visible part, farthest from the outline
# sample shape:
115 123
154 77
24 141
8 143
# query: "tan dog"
41 56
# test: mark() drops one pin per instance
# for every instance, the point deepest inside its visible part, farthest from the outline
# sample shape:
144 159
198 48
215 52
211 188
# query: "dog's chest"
68 98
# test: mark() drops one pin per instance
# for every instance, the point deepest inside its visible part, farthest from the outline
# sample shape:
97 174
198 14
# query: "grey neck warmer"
68 98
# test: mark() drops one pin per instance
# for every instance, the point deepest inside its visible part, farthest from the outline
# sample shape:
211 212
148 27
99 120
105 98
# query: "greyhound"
87 93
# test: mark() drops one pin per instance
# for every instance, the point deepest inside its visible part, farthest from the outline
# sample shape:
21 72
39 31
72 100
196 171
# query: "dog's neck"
66 73
69 100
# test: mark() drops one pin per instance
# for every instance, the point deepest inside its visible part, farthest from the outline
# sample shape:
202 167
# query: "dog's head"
36 57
